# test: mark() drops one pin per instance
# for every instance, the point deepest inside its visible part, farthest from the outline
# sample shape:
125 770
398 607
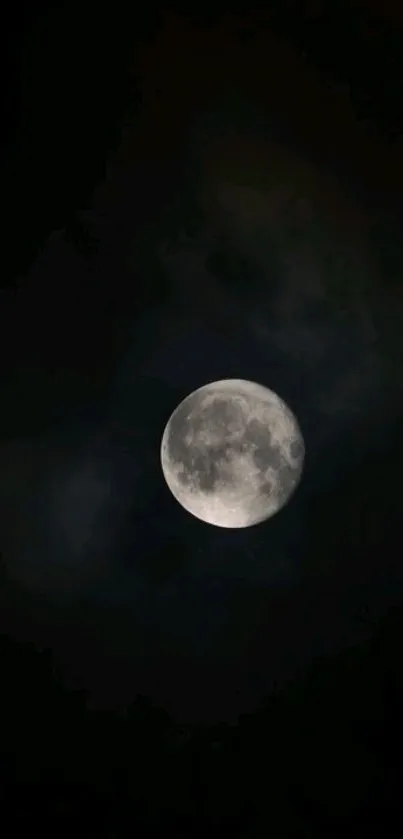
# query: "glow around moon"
232 453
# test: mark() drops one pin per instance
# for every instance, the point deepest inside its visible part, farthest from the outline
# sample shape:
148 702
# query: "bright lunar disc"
232 453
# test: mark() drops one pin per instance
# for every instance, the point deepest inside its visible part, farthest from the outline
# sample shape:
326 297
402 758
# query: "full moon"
232 453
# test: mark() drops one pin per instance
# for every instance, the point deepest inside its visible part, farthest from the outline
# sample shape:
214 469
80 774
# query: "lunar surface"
232 453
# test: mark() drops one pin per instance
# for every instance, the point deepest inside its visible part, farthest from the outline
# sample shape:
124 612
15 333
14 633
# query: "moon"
232 453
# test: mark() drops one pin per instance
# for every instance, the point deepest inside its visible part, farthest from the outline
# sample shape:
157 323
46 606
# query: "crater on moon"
232 453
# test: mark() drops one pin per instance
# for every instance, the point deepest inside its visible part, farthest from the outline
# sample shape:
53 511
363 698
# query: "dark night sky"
246 225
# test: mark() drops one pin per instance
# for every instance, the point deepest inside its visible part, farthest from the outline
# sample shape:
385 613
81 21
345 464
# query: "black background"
189 198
